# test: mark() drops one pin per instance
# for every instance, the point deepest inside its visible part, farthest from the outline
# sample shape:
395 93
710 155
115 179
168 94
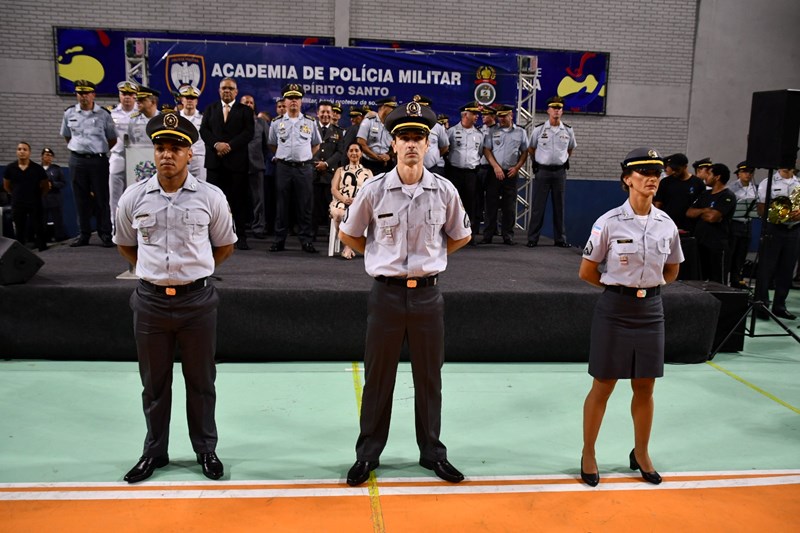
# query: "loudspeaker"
17 263
774 127
734 306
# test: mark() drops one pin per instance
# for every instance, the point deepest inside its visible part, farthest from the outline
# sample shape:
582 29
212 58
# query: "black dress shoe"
309 248
277 247
508 241
563 245
145 468
532 244
486 240
651 477
80 241
241 244
212 466
107 242
443 469
359 472
590 479
783 313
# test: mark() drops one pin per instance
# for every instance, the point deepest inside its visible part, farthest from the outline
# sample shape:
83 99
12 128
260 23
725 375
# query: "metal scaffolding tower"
527 85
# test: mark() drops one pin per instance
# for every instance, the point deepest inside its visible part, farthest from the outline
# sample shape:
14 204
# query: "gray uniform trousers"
396 314
548 182
161 323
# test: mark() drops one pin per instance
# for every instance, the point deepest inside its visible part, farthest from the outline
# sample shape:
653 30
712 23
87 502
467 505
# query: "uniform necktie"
324 130
225 112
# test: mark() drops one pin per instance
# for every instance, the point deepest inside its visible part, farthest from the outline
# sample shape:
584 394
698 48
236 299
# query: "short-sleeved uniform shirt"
746 197
437 140
714 235
466 146
506 144
780 187
198 148
88 131
633 254
174 233
406 231
137 129
121 120
374 132
294 137
552 143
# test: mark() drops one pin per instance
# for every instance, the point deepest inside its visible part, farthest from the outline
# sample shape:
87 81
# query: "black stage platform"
503 304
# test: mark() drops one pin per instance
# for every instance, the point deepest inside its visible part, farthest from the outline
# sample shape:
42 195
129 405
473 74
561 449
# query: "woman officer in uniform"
639 247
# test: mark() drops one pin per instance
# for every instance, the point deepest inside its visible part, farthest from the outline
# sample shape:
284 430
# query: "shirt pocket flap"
388 221
143 221
625 247
436 216
198 219
665 246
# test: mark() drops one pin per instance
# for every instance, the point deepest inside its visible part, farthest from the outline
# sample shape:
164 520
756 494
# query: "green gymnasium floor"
82 422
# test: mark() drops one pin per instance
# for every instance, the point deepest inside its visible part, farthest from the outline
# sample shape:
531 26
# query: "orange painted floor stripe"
766 508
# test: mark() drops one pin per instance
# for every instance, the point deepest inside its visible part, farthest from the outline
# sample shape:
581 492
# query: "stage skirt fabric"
627 339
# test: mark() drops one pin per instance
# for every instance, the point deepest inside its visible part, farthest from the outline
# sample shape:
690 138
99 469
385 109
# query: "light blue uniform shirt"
294 137
174 235
466 146
506 144
633 255
374 132
552 143
406 232
437 140
137 129
88 131
745 200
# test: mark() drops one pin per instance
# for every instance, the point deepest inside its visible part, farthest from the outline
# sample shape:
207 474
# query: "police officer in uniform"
189 96
351 133
781 246
326 161
746 199
336 114
375 140
438 143
506 149
147 102
488 119
639 247
552 143
295 139
466 149
90 134
175 229
121 114
412 219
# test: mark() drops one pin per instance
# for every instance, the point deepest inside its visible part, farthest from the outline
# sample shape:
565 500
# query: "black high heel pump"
590 479
651 477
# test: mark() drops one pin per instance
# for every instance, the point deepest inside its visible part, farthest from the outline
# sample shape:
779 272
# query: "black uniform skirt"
627 337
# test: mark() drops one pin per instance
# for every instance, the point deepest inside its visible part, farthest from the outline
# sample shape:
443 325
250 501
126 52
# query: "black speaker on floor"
774 127
734 305
17 263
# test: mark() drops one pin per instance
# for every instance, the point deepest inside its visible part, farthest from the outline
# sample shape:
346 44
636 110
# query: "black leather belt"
551 167
647 292
410 283
293 163
176 290
88 156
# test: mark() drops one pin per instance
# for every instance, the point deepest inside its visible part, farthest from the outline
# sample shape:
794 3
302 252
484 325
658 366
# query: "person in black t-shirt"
677 192
713 212
27 183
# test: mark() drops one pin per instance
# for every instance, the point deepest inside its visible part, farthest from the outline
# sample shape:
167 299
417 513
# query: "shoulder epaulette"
566 125
309 117
135 114
539 124
108 108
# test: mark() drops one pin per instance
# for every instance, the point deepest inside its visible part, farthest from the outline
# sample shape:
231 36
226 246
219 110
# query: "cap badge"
652 153
413 109
294 87
170 121
417 98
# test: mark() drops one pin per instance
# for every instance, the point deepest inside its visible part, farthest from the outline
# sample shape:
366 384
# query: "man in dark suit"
227 129
326 160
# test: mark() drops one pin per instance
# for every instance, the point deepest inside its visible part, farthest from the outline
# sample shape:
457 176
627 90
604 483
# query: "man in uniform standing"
175 229
189 96
375 141
227 129
739 239
552 143
412 219
147 102
438 143
90 134
466 148
781 245
506 149
121 115
295 139
326 160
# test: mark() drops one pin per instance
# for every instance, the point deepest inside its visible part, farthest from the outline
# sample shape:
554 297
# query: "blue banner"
350 76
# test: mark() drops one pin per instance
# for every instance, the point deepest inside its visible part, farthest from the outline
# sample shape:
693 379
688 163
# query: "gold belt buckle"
411 283
170 291
641 293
